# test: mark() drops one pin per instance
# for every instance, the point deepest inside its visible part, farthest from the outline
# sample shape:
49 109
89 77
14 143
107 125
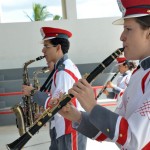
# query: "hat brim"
48 38
121 20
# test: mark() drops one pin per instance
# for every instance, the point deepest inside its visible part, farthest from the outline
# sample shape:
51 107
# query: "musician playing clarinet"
125 68
129 125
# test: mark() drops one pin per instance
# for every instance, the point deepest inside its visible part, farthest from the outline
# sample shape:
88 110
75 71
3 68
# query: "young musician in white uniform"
60 80
125 68
129 126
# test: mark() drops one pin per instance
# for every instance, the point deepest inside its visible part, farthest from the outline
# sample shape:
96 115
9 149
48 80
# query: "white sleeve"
136 129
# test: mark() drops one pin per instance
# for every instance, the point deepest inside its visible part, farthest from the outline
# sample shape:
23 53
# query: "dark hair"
131 65
143 21
65 44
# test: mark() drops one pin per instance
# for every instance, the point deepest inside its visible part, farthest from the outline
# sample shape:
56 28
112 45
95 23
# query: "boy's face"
50 52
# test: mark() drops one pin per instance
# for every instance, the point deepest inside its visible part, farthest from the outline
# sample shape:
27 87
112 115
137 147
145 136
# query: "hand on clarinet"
106 92
110 84
83 91
68 111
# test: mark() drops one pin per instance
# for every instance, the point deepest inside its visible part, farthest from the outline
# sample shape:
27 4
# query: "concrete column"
69 10
0 11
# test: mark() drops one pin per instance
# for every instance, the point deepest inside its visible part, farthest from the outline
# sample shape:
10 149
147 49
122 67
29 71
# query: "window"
17 10
97 8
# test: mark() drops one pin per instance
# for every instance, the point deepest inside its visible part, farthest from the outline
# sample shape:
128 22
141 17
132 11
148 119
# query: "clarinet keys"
39 123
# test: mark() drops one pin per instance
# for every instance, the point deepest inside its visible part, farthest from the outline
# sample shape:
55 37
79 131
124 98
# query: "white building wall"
93 40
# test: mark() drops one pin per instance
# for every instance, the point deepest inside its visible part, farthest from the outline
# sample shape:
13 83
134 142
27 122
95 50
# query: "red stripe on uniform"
101 137
71 74
144 80
48 103
123 131
73 133
74 140
147 147
135 70
121 93
68 123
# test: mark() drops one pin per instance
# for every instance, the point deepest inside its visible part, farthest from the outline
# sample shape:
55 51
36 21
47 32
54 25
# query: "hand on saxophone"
27 90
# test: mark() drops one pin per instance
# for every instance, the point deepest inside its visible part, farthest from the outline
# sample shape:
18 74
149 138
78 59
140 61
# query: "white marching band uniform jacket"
122 82
63 79
129 125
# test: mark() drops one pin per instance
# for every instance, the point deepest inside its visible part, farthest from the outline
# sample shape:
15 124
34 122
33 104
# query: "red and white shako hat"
121 60
50 33
132 8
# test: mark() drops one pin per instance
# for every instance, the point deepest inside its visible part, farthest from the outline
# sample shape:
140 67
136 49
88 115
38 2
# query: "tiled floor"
41 140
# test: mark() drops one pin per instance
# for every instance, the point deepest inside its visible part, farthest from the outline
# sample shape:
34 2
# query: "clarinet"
104 88
50 112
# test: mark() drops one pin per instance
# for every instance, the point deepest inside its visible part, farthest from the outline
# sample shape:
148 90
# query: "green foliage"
40 13
57 17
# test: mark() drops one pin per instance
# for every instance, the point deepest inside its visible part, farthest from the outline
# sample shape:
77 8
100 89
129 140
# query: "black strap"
44 86
47 84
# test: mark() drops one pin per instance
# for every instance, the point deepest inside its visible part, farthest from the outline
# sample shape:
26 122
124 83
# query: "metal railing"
9 111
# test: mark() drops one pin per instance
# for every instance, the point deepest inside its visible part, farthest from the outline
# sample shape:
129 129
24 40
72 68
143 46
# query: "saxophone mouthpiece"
39 58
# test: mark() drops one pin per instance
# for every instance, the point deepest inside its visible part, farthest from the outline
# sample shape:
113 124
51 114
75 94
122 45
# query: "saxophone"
35 77
25 114
36 84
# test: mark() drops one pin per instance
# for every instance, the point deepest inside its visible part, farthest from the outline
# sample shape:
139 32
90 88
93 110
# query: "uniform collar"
145 63
60 61
126 73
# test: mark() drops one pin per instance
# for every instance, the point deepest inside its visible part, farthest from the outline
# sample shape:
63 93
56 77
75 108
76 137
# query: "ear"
148 33
58 47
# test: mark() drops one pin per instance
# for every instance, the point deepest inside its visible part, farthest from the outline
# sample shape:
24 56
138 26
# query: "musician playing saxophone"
61 79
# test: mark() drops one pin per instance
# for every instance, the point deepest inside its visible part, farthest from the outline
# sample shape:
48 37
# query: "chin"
129 56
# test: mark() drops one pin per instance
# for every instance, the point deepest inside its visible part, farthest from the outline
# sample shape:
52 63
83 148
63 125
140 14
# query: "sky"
15 10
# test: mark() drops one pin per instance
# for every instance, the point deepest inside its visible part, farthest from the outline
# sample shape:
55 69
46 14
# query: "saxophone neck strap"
58 66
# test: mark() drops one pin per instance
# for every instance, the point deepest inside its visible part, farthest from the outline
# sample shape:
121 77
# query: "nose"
122 37
43 50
